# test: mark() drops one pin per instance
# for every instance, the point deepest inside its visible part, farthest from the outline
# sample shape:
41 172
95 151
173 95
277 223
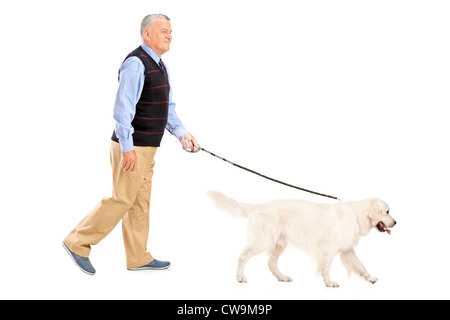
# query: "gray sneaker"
154 265
83 263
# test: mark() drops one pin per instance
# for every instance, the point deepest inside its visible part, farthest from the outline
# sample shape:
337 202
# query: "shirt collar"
151 52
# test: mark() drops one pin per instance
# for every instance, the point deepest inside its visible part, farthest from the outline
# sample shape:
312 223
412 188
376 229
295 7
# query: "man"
142 110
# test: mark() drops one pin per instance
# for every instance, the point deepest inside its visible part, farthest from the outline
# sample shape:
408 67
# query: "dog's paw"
285 279
331 284
372 279
241 278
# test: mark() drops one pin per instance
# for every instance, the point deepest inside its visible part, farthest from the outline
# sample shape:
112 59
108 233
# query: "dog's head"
380 217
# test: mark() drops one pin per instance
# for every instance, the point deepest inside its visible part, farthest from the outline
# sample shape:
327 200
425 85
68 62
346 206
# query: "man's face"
159 36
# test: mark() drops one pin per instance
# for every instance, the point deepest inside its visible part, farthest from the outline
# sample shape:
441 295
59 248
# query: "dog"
320 230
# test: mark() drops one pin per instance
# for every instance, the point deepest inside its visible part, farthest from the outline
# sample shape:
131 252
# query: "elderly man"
143 109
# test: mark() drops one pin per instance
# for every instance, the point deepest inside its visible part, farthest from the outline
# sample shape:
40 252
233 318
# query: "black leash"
261 175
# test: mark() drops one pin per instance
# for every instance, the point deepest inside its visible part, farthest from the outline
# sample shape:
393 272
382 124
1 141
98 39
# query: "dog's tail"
229 205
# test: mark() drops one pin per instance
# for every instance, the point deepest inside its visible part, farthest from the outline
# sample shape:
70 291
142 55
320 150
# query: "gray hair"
149 19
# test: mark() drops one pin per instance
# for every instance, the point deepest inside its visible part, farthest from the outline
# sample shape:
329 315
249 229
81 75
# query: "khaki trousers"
130 202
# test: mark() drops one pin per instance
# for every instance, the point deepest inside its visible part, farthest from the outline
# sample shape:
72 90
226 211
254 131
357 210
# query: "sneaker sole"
148 268
71 257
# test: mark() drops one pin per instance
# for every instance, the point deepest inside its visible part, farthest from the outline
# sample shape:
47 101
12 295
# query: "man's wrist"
126 145
180 133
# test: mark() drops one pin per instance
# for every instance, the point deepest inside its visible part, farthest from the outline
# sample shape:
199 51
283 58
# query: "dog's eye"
387 212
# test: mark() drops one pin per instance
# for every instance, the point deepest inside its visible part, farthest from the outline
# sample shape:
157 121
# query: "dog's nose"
395 222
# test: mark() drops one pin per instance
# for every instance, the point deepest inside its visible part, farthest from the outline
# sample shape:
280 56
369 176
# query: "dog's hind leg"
274 254
324 266
353 264
249 252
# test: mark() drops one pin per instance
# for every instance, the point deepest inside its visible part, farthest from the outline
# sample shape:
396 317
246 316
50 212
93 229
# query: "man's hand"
189 143
129 161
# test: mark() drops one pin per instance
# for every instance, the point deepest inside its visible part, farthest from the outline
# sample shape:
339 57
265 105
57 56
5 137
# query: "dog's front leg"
353 264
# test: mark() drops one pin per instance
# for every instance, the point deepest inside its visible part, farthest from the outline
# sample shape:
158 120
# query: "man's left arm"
176 127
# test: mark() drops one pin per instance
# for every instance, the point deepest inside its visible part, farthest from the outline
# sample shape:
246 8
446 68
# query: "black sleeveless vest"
152 109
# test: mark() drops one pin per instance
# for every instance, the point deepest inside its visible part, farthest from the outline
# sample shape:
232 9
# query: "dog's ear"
374 211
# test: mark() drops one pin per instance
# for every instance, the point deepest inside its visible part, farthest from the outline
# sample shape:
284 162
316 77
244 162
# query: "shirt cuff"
180 132
126 145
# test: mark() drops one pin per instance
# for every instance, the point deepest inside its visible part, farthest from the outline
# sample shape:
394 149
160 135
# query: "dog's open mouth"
382 227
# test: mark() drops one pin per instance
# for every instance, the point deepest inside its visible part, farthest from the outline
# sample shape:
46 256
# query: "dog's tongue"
382 227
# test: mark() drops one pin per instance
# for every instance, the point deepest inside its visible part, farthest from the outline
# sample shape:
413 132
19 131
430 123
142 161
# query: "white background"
343 97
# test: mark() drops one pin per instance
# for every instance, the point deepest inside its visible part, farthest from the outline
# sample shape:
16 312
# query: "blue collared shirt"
132 76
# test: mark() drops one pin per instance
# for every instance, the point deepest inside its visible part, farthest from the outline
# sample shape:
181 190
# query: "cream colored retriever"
321 230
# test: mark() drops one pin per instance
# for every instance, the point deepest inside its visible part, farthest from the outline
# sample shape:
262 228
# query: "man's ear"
146 35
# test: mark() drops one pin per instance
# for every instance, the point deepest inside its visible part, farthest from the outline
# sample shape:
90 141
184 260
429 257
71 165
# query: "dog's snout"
395 222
